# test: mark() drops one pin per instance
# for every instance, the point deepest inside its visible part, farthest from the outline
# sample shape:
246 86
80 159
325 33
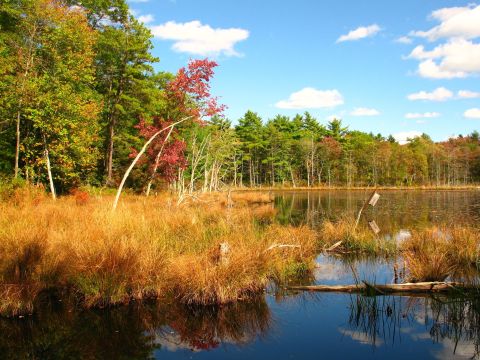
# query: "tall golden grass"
149 247
360 239
435 253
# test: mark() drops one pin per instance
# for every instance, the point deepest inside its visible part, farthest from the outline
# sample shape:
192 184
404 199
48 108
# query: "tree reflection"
131 332
395 211
379 320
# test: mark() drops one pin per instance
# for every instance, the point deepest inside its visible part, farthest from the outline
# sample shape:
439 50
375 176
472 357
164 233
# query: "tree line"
80 96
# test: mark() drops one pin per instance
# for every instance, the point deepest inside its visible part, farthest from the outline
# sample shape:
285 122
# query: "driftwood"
334 246
420 287
276 246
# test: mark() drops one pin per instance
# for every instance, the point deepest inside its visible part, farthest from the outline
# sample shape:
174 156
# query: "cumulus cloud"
439 94
364 112
146 19
404 136
459 56
467 94
472 113
195 38
455 22
426 115
455 59
310 98
360 33
404 40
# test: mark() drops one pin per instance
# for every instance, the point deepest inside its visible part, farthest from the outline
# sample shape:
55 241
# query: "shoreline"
359 188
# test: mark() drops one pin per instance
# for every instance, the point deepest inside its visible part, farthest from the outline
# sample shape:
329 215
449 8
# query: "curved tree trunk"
139 155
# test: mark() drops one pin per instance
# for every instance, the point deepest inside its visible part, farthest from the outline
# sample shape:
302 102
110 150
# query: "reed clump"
436 253
149 247
353 239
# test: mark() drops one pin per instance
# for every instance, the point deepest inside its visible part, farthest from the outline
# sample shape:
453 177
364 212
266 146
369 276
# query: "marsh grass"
436 253
147 248
360 239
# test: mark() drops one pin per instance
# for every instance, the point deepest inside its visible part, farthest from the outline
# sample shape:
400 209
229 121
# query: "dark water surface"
281 325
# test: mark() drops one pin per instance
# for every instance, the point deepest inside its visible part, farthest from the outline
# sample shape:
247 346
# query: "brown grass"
147 248
360 239
252 197
434 254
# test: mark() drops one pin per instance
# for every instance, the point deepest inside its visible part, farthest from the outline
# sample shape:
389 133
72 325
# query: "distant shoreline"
359 188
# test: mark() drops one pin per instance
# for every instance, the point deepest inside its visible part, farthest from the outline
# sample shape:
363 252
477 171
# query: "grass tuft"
149 247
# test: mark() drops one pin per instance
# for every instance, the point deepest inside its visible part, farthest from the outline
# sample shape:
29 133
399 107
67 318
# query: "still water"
281 325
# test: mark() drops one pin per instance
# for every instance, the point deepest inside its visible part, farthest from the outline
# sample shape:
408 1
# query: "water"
281 325
394 211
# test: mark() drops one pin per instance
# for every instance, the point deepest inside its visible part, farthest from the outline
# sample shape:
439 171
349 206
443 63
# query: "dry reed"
434 254
147 248
353 239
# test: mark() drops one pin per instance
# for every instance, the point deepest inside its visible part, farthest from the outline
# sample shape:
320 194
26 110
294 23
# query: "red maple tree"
187 95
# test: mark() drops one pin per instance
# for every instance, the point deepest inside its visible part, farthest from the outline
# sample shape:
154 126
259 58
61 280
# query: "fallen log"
420 287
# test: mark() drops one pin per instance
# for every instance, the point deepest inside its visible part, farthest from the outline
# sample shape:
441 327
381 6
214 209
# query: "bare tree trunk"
157 163
111 133
30 60
235 170
196 157
139 155
17 146
49 169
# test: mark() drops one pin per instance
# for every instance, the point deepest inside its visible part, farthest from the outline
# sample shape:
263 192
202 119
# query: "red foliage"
200 336
172 157
188 94
189 91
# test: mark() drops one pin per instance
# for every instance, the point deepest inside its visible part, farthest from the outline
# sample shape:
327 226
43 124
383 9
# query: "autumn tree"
55 109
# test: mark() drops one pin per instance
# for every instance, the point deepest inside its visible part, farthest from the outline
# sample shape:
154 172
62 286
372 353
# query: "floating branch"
420 287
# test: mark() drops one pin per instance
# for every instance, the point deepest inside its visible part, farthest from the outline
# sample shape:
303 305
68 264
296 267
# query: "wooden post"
372 200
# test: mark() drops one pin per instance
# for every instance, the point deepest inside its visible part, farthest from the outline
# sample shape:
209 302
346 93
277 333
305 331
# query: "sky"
400 67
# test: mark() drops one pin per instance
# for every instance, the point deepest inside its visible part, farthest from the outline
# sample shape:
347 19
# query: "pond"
280 324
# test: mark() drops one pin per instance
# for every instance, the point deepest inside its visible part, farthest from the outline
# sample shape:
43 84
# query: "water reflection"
132 332
451 321
395 212
283 325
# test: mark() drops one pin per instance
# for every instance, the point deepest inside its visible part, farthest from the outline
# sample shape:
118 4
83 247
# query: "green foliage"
76 77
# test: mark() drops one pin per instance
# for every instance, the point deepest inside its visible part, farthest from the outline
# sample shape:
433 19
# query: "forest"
81 93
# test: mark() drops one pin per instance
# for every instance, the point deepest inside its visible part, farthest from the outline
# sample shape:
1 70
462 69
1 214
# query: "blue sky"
394 67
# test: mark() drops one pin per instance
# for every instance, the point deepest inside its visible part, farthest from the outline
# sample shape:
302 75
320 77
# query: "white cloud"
455 22
426 115
472 113
334 117
459 56
310 98
456 58
439 94
365 112
402 137
146 19
429 69
404 40
360 33
194 38
467 94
